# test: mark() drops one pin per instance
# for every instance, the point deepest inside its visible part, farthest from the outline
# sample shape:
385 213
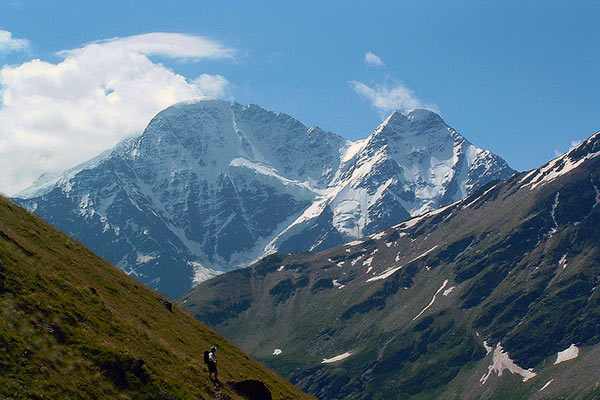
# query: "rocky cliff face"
211 186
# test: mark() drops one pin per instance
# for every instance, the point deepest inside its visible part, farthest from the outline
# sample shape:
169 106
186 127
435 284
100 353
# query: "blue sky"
518 78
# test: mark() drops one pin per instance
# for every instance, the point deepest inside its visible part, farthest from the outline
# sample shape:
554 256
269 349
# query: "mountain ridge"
211 186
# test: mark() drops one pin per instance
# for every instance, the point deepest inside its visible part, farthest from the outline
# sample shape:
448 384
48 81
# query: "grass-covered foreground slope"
493 297
73 326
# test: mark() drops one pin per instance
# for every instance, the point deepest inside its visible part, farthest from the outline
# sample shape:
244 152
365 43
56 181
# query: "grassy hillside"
73 326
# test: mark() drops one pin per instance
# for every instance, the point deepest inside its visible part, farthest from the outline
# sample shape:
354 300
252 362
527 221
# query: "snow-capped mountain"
409 165
211 186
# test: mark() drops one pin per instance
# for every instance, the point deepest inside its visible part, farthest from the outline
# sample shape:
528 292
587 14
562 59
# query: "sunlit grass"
73 326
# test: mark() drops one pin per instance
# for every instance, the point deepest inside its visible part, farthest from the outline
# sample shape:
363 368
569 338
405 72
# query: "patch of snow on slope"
202 273
355 243
488 348
352 149
479 197
68 186
563 261
378 236
442 172
337 284
336 358
313 211
448 291
350 202
568 354
261 169
85 209
144 258
546 385
529 174
424 254
502 362
385 274
368 261
432 300
555 168
553 214
276 352
106 225
414 221
280 268
410 223
597 193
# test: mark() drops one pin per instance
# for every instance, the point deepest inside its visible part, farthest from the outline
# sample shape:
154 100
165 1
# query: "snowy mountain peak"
195 104
212 185
414 123
421 114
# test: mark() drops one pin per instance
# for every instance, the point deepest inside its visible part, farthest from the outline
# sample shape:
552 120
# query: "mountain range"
212 186
494 296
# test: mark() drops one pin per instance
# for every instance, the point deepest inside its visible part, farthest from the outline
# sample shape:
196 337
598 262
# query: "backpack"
206 359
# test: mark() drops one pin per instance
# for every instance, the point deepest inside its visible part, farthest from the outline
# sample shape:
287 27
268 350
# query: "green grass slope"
73 326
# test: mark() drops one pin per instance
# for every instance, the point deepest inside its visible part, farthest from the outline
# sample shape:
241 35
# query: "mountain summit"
409 165
212 186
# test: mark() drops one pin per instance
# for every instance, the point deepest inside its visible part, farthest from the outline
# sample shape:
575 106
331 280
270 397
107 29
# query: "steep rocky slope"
494 296
73 326
211 186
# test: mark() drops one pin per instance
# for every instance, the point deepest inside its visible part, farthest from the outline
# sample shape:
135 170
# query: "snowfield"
336 358
501 362
567 354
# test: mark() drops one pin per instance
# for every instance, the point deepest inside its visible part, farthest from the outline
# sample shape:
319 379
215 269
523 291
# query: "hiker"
211 361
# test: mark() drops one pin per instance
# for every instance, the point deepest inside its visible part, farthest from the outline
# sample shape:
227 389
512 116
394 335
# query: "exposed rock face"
211 186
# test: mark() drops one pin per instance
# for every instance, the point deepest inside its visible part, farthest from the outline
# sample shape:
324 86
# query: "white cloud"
212 85
54 116
373 59
574 143
387 98
175 45
9 44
